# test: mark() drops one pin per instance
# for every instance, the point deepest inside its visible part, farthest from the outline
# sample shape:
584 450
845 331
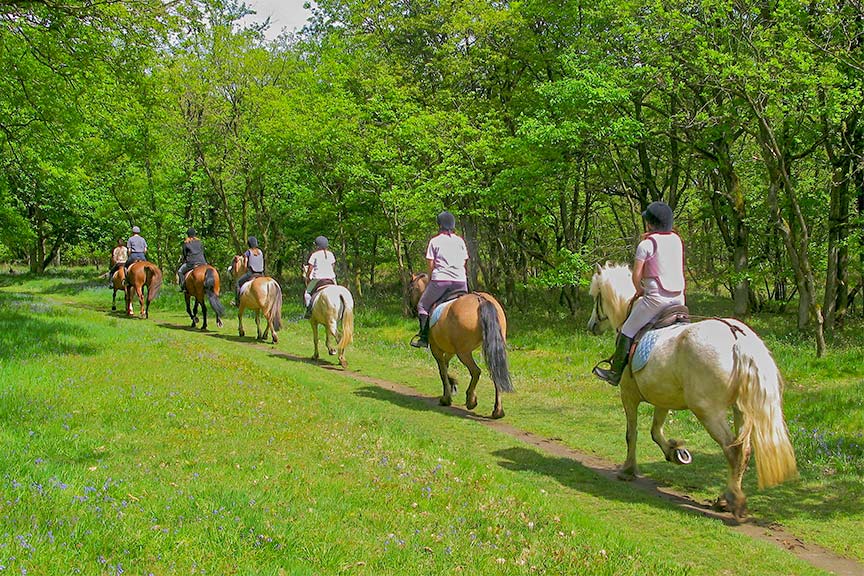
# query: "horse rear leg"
114 300
467 358
240 310
204 314
258 323
189 311
718 427
315 339
630 400
332 335
443 361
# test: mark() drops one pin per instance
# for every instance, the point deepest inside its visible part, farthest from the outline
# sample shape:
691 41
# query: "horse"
416 287
705 367
202 283
140 274
261 294
331 305
471 320
118 282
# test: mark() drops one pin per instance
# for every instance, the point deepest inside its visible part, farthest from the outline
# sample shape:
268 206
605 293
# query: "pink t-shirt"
448 254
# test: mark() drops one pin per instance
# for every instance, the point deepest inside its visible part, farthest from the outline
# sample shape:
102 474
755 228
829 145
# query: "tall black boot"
617 363
421 340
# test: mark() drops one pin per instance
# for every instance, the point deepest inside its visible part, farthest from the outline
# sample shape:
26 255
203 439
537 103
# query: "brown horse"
138 275
469 321
202 283
415 290
118 282
261 294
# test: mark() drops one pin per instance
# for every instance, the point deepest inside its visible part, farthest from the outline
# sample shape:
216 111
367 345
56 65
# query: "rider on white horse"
320 267
658 275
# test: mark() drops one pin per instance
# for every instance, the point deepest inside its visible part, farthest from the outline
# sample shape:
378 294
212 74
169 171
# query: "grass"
139 447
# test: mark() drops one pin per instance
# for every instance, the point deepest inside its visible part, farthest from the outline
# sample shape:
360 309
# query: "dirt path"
772 533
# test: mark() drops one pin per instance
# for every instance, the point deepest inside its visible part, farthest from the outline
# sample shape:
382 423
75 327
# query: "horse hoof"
331 352
344 364
625 475
113 308
497 415
443 401
471 404
219 323
275 339
682 456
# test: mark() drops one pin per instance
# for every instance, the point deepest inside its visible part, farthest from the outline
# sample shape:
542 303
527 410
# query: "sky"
283 14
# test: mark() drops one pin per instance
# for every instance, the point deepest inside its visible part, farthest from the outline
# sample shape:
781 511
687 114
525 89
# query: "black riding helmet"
190 232
659 216
446 222
252 242
322 242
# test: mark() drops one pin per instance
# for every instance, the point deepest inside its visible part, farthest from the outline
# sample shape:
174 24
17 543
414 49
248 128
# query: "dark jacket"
193 252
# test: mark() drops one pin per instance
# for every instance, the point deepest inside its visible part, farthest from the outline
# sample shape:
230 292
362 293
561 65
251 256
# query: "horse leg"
140 291
443 361
630 400
470 393
315 339
204 313
240 309
114 300
717 426
258 322
189 311
332 335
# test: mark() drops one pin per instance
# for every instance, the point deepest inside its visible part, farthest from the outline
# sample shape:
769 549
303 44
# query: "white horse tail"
760 401
274 314
347 314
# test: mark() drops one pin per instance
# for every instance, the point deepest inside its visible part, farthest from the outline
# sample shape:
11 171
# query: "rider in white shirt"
319 267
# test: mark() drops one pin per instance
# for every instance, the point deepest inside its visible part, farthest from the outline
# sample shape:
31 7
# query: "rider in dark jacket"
191 255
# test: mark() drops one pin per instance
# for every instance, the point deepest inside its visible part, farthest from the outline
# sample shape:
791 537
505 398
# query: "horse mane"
614 283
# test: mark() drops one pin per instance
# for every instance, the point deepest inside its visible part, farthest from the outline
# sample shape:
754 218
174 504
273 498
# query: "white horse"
705 367
333 304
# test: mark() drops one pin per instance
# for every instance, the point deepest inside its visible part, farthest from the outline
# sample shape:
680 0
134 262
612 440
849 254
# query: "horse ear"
598 269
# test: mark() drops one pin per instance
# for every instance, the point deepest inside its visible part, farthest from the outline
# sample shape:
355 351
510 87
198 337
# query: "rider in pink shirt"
658 275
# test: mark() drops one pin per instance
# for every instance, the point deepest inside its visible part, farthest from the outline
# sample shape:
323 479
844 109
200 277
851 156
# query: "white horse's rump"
332 305
707 367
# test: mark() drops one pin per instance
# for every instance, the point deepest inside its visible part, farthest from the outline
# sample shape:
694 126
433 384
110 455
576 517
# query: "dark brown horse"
118 283
139 275
202 283
469 321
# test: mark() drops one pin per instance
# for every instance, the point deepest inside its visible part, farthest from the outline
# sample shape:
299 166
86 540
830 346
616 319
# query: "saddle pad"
648 342
437 311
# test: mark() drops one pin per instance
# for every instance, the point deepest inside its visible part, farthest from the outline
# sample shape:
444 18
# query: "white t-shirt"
321 262
448 254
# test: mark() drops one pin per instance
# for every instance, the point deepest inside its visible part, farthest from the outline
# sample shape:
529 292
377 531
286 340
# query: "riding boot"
308 313
421 340
617 363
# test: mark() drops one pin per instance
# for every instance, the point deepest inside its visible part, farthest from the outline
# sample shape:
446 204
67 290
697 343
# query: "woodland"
545 126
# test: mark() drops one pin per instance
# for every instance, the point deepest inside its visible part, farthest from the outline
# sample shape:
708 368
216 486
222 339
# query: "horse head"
237 267
612 289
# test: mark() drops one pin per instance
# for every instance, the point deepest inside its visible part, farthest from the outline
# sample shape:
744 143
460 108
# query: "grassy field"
139 447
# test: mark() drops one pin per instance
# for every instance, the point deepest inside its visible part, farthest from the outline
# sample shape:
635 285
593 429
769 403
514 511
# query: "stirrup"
607 375
419 342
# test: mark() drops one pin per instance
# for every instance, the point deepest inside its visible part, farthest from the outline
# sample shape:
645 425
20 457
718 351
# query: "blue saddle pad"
647 343
437 311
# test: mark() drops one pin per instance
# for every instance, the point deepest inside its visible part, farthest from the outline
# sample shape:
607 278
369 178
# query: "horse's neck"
620 306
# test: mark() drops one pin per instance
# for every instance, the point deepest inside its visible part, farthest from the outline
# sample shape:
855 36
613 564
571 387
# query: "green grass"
139 447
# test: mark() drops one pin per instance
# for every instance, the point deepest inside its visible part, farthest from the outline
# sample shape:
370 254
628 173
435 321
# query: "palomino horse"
118 282
261 294
202 283
466 323
333 304
705 367
140 274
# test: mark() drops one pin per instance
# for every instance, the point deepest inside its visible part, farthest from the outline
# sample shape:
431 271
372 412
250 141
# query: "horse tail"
210 291
275 312
494 347
760 401
347 316
154 277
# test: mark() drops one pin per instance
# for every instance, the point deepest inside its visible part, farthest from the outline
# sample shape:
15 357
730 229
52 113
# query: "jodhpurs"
436 290
646 309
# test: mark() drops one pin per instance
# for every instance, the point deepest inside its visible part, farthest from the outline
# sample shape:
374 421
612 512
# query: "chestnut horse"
466 323
261 294
331 305
705 367
202 283
415 290
142 274
118 282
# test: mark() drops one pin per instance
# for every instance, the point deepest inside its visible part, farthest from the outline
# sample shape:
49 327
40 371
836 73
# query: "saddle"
649 335
441 304
322 284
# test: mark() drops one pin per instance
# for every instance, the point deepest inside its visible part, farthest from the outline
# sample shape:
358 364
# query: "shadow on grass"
30 329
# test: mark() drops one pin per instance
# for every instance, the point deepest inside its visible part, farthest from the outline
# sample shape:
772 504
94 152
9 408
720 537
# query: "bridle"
599 311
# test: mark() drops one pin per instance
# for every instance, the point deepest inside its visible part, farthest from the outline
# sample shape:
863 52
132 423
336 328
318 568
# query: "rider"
137 247
253 258
658 275
319 267
118 258
446 256
191 255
